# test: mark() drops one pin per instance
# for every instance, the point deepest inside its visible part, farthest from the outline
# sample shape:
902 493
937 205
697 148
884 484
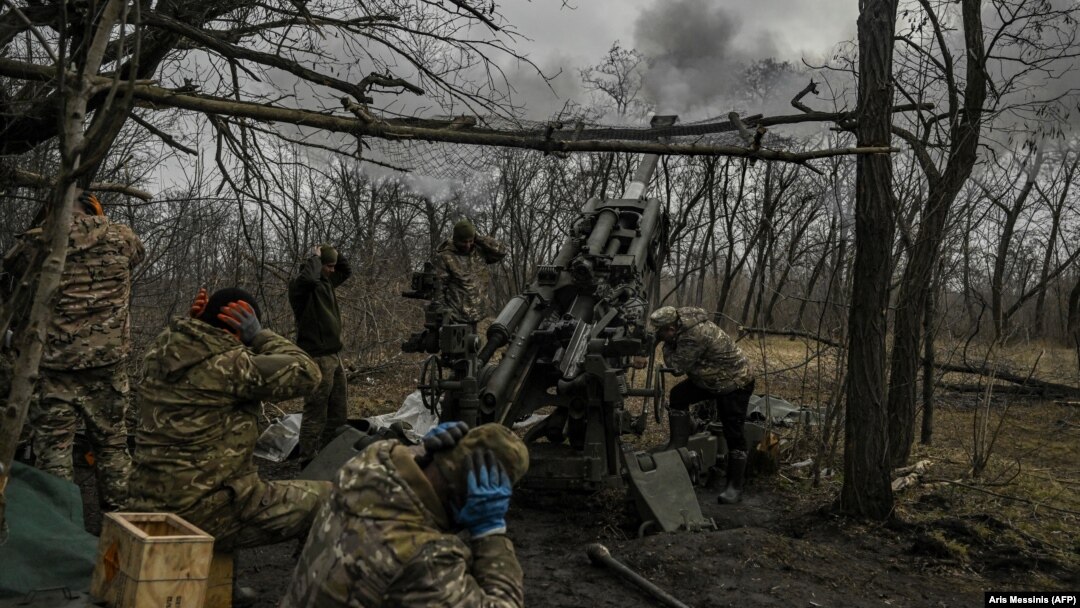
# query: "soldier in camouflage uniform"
717 370
82 370
387 536
199 402
461 266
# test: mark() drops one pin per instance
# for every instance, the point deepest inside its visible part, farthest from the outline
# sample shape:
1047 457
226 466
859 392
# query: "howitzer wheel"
430 376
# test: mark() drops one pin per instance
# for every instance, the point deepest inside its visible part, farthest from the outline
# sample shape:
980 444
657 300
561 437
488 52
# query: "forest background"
219 133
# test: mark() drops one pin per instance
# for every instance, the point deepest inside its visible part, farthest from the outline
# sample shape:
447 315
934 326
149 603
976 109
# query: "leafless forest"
233 135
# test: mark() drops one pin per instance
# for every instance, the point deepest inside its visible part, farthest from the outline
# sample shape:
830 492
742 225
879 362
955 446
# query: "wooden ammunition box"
151 560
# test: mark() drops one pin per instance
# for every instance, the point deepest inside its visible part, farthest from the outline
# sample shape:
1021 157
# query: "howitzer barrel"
602 230
500 332
643 172
600 556
511 365
640 245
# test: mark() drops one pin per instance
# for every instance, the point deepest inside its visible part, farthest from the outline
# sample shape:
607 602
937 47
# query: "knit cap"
463 231
327 254
508 448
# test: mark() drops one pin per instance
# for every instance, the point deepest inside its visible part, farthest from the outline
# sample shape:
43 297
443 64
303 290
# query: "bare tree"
866 491
1025 39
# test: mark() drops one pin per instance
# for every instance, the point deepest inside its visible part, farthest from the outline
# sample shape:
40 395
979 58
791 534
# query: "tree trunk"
77 91
927 432
867 491
915 285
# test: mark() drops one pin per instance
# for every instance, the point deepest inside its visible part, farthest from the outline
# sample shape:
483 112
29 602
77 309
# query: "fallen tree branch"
795 333
1005 496
1041 386
24 178
155 97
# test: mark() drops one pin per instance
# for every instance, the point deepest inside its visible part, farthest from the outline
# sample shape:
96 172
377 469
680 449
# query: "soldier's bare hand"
639 362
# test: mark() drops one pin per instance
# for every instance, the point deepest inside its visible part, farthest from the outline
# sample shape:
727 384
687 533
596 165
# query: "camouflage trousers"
326 409
249 512
99 395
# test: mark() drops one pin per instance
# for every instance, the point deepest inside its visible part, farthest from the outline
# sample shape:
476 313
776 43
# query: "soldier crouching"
198 404
388 535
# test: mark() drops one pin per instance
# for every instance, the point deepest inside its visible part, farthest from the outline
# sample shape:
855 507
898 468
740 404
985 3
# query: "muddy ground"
1016 528
780 547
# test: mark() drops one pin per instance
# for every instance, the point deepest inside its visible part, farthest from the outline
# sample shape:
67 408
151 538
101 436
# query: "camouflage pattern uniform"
706 354
383 540
465 276
717 371
198 404
87 342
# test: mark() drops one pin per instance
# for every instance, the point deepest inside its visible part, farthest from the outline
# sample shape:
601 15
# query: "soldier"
199 401
387 536
318 332
717 370
83 366
461 266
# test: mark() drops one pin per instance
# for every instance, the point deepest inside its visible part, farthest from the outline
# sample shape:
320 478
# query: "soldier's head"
219 299
328 256
464 236
665 321
453 465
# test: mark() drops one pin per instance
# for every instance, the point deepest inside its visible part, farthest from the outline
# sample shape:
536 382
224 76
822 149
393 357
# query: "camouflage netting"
448 160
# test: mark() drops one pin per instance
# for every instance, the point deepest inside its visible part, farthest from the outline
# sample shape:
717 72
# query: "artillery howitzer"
570 337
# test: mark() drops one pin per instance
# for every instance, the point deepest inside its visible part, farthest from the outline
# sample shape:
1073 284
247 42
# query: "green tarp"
47 546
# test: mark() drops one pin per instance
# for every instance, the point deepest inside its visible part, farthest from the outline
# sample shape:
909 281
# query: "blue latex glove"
488 498
240 316
444 436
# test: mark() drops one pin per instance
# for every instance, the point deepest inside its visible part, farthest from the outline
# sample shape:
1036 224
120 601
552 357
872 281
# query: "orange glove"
199 305
240 316
91 203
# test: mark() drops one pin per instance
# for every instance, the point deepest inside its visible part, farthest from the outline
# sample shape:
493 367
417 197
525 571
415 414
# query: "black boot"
679 421
736 471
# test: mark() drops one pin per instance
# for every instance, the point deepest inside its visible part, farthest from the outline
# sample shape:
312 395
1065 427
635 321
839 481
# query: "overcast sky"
695 35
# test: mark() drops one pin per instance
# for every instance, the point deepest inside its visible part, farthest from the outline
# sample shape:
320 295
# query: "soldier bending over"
717 370
388 535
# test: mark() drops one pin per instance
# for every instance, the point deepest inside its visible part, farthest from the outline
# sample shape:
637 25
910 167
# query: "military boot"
736 471
679 422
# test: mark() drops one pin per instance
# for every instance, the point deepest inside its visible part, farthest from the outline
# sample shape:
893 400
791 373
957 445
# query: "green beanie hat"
507 447
327 254
464 230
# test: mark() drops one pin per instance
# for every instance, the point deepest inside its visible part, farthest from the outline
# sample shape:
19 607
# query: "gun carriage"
569 339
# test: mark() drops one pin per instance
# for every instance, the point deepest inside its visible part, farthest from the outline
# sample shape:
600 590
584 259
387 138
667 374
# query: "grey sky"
687 31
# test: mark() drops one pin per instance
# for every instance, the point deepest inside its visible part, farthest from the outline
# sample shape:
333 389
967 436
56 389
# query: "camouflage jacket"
89 325
198 403
464 277
706 354
383 540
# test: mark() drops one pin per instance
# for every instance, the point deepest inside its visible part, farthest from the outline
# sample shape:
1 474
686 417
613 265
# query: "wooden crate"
151 560
219 585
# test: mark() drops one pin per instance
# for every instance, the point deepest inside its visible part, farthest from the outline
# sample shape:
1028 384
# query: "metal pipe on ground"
600 556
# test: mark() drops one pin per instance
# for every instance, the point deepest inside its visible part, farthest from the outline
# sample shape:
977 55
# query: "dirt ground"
784 545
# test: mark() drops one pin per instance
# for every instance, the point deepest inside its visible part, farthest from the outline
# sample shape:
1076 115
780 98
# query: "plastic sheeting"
279 439
47 548
778 411
416 419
